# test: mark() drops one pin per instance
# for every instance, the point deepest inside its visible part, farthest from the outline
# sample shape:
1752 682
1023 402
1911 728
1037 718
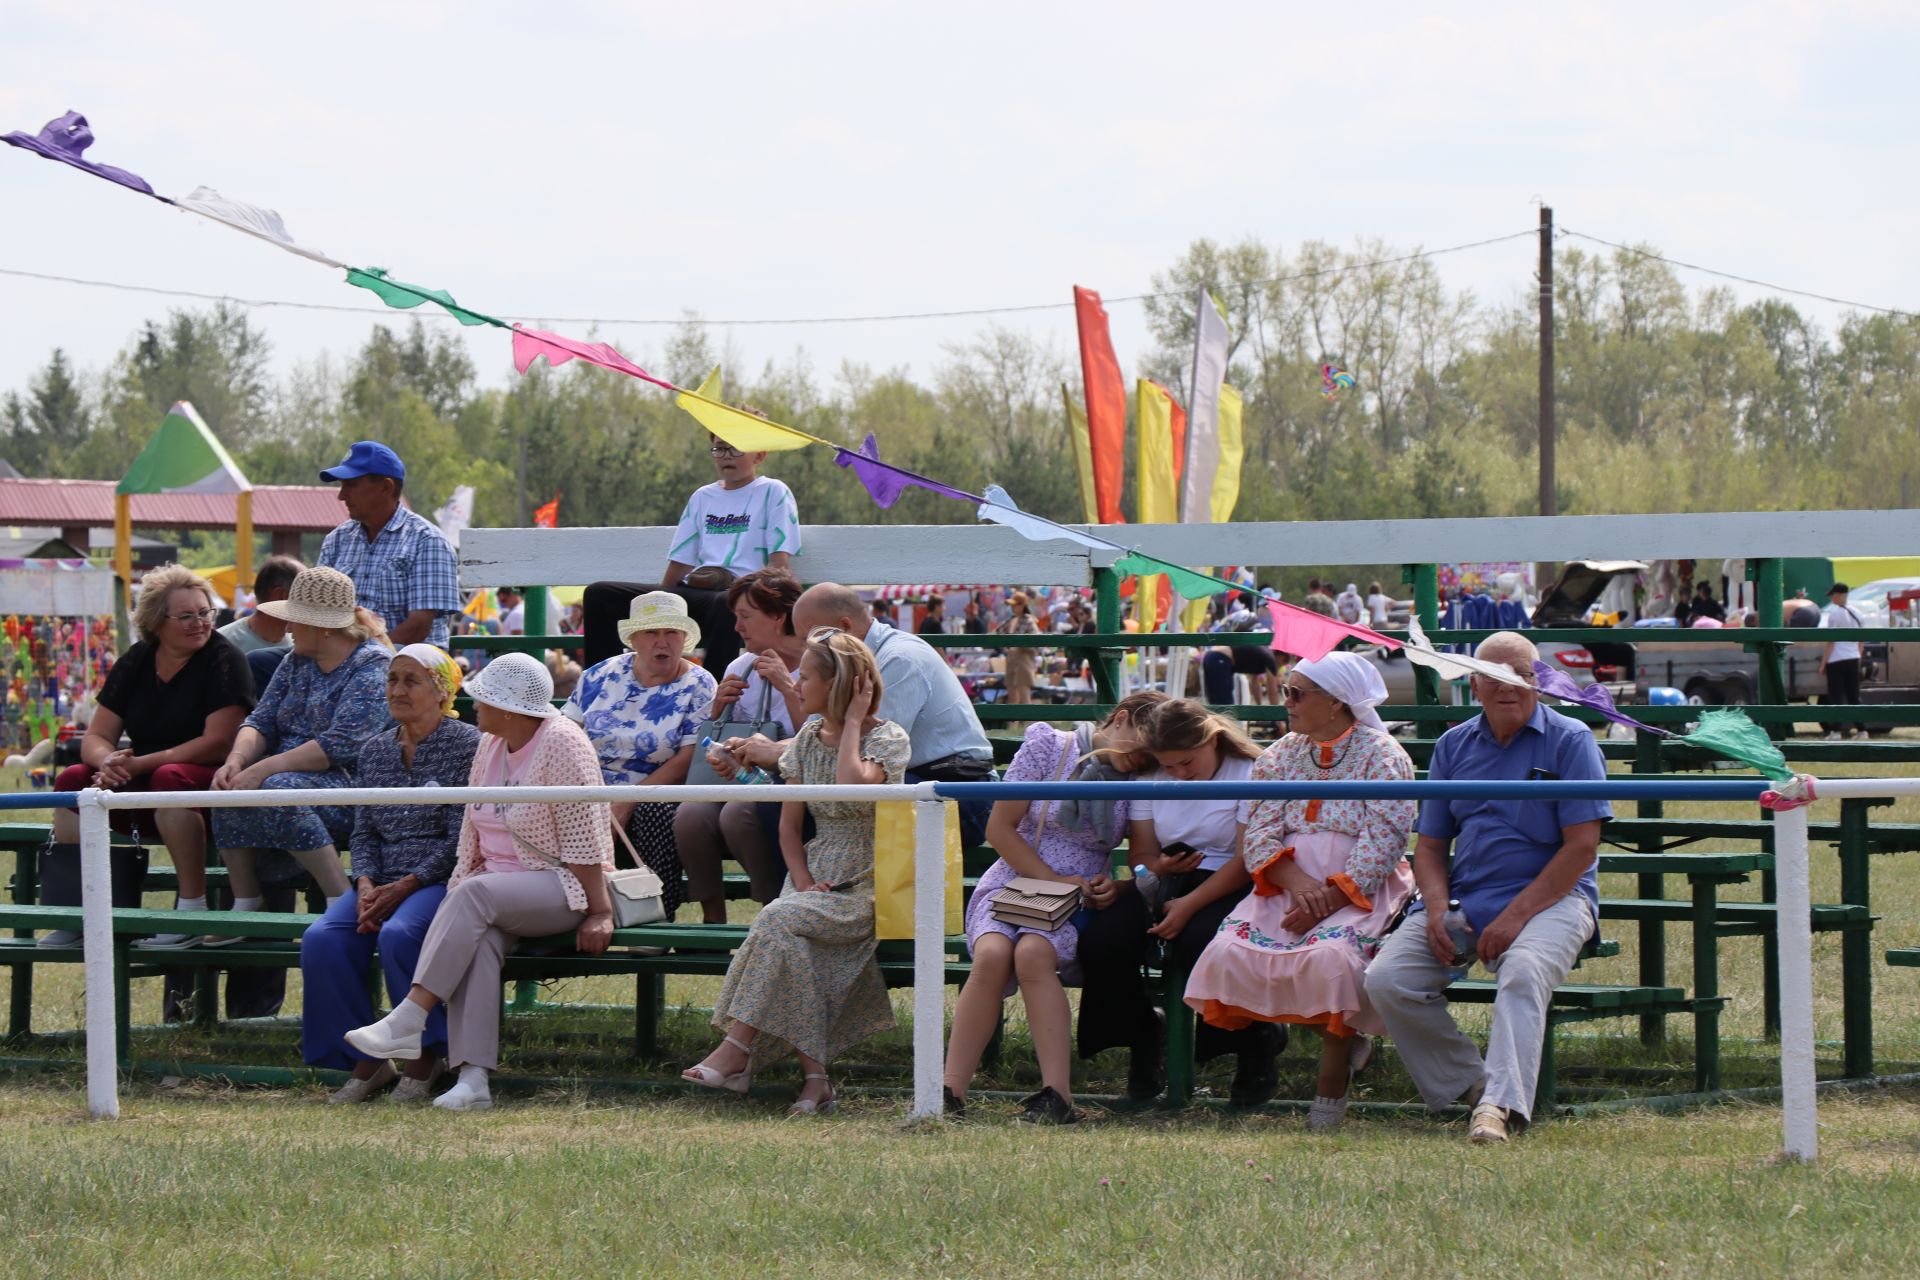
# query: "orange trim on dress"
1231 1017
1263 887
1344 883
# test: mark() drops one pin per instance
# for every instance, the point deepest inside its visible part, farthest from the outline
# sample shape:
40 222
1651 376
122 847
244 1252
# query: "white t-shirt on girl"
1207 825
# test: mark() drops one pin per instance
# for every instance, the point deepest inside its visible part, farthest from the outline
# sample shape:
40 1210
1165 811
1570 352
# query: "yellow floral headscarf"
441 666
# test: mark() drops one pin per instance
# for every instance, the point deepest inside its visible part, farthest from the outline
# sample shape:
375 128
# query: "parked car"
1869 599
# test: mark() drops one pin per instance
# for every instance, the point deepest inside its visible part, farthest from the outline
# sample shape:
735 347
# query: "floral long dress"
1255 969
806 976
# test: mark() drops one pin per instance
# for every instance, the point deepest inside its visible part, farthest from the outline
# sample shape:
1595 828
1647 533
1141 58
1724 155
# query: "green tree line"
1668 399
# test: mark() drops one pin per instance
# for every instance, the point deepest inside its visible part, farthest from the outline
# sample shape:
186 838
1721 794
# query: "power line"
1728 275
799 320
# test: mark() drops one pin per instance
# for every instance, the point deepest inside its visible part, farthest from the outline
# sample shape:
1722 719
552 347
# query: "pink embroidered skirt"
1254 970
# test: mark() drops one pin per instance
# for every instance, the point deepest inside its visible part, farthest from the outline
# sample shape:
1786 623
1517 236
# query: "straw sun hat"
319 597
516 682
660 611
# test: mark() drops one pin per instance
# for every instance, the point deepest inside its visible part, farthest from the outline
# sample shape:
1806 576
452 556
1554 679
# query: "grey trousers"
480 922
707 832
1408 988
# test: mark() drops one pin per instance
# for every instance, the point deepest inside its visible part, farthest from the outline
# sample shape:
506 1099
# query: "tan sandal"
809 1107
710 1078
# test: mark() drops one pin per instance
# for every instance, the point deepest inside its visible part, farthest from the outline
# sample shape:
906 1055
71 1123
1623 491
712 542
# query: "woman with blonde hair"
805 977
325 701
1189 846
179 693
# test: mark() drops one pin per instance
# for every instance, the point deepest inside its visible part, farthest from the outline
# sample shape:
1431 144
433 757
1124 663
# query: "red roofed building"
76 507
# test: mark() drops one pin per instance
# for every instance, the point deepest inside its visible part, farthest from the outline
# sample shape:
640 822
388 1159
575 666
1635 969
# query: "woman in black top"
179 694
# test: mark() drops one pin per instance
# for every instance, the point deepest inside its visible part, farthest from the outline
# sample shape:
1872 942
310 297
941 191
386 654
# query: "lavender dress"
1043 757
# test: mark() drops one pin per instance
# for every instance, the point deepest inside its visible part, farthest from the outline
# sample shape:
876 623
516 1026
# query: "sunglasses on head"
822 633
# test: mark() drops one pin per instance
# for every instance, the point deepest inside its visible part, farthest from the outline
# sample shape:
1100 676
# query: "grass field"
206 1179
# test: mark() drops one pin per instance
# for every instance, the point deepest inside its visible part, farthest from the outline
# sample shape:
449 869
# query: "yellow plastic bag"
893 869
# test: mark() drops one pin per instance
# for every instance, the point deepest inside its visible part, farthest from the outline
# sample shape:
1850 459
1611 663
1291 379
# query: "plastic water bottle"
1147 885
1460 933
751 775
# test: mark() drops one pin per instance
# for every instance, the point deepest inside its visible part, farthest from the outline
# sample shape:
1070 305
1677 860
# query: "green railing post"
538 612
1856 943
1106 620
1769 575
1651 884
1426 607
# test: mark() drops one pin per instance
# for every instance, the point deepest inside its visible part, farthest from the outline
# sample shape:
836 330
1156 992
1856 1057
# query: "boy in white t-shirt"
740 523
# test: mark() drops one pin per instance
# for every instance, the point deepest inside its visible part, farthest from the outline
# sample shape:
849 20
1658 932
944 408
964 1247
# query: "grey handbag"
702 773
636 892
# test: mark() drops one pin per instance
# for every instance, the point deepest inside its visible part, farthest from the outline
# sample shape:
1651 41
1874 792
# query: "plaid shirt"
408 565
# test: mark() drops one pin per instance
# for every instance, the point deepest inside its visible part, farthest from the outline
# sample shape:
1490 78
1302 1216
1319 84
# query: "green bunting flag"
400 294
1727 732
1193 586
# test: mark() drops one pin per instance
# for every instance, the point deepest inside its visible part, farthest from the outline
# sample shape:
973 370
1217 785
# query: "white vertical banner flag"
457 514
1203 410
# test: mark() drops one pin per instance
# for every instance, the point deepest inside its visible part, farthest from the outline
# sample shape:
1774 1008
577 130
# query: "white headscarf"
1351 679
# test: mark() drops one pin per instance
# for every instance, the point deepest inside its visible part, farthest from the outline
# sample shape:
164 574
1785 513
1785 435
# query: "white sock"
190 904
248 904
406 1019
474 1080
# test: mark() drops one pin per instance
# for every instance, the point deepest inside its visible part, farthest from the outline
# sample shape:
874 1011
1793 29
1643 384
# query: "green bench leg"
649 995
122 1003
26 891
526 996
1770 957
206 999
1856 944
1706 987
1546 1087
1180 1032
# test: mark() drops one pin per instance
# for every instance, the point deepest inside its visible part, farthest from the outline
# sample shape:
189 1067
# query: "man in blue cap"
401 564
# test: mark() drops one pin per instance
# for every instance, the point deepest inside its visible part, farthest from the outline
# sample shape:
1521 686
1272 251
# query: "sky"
632 161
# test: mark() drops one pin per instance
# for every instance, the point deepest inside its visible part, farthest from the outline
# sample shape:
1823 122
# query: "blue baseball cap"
367 458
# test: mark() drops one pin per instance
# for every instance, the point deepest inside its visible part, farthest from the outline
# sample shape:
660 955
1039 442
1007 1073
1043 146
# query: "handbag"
636 892
701 773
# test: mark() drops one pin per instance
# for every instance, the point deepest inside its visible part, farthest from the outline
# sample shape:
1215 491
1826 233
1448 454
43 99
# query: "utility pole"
1548 503
520 480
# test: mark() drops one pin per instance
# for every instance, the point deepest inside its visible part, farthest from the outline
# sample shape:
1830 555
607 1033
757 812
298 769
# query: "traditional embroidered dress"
1255 969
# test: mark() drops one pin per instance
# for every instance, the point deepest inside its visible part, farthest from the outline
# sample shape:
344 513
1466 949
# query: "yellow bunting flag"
745 431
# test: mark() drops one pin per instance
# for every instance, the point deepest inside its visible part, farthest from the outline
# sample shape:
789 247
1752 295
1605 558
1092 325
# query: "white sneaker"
363 1090
175 941
410 1090
1832 737
60 938
1489 1124
377 1040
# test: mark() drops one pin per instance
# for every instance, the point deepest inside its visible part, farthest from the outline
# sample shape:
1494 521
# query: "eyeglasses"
721 449
188 619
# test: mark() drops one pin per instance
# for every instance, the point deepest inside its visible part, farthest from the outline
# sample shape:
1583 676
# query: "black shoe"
1048 1107
1146 1069
956 1108
1256 1077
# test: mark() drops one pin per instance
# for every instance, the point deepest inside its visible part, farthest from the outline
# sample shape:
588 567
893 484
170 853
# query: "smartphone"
1178 849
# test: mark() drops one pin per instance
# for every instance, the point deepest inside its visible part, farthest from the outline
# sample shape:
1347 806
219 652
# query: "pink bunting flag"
528 343
1312 636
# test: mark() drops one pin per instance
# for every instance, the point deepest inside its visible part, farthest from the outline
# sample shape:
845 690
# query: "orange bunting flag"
547 515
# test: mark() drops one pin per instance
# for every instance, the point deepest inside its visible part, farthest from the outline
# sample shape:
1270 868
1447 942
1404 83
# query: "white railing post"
1793 917
929 951
96 914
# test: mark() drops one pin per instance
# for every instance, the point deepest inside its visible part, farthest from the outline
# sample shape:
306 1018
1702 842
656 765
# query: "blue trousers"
334 960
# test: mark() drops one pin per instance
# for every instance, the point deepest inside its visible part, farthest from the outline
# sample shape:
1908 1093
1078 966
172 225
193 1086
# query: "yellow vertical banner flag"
1082 455
1157 493
1226 480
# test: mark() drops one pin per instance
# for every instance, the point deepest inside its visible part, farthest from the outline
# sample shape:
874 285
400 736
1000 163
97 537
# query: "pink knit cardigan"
546 836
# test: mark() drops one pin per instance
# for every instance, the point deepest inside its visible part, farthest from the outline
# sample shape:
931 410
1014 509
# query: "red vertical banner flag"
547 515
1106 404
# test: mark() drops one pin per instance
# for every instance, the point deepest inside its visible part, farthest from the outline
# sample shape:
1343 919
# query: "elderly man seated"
1523 873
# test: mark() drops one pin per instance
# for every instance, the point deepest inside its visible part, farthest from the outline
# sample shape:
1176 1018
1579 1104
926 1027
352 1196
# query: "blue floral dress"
340 709
636 729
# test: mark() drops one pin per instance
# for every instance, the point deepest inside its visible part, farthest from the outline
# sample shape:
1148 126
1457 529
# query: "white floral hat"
660 611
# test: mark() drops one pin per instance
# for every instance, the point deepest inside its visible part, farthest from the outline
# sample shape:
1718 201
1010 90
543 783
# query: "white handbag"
636 892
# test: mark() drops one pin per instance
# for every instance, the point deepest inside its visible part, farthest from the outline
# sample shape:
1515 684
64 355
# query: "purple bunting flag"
65 140
1558 684
886 482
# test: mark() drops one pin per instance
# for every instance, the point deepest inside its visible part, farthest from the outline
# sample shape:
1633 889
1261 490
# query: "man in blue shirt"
401 564
1523 873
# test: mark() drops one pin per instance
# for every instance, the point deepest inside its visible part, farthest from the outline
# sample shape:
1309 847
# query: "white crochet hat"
319 597
516 682
660 611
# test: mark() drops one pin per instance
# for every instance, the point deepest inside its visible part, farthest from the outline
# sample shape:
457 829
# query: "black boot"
1146 1068
1256 1076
